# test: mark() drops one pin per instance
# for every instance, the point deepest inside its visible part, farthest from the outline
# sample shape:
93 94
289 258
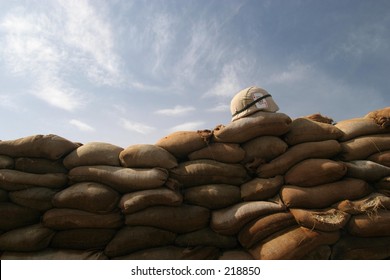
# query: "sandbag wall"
261 187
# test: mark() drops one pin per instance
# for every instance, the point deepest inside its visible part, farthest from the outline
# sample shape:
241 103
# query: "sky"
131 72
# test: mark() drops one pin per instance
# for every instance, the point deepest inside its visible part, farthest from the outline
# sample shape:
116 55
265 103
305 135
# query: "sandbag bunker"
262 187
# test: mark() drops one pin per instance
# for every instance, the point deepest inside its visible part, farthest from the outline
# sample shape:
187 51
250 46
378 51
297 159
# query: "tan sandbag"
3 195
377 224
322 252
173 253
317 117
206 171
182 143
146 155
262 227
40 146
121 179
14 216
55 254
313 172
381 117
279 166
323 196
87 196
383 186
135 201
222 152
361 248
206 237
369 204
6 162
292 244
26 239
364 146
230 220
93 153
261 189
214 196
357 127
382 158
181 219
36 198
305 130
14 180
367 170
82 239
321 219
255 125
39 165
235 255
63 219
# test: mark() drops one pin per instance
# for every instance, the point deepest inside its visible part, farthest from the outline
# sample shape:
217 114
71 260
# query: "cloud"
136 127
8 102
296 71
222 107
187 126
176 111
81 125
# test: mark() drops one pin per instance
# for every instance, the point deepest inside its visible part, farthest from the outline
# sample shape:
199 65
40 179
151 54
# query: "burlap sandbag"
6 162
39 165
305 130
376 224
36 198
230 220
364 146
26 239
182 143
322 252
40 146
207 171
382 158
359 127
367 170
261 189
87 196
55 254
323 196
361 248
258 124
318 117
280 165
369 204
121 179
235 255
383 186
14 216
14 180
262 227
292 244
3 195
82 239
314 172
222 152
206 237
135 201
322 219
93 153
131 239
181 219
213 196
381 117
63 219
146 155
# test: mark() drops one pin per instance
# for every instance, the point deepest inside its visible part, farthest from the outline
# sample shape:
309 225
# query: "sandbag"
261 189
36 198
364 146
135 201
354 128
87 196
121 179
181 219
321 219
381 117
262 227
383 186
6 162
26 239
313 172
318 117
206 237
322 252
230 220
255 125
3 195
305 130
374 225
367 170
206 171
40 146
369 204
323 196
182 143
279 166
63 219
292 244
55 254
82 239
14 216
222 152
235 255
145 155
382 158
39 165
213 196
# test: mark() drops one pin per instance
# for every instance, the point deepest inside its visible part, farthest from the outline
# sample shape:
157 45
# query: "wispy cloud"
188 126
176 111
136 127
222 107
296 71
81 125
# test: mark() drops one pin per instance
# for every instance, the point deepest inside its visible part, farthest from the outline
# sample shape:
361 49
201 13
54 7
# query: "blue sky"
131 72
